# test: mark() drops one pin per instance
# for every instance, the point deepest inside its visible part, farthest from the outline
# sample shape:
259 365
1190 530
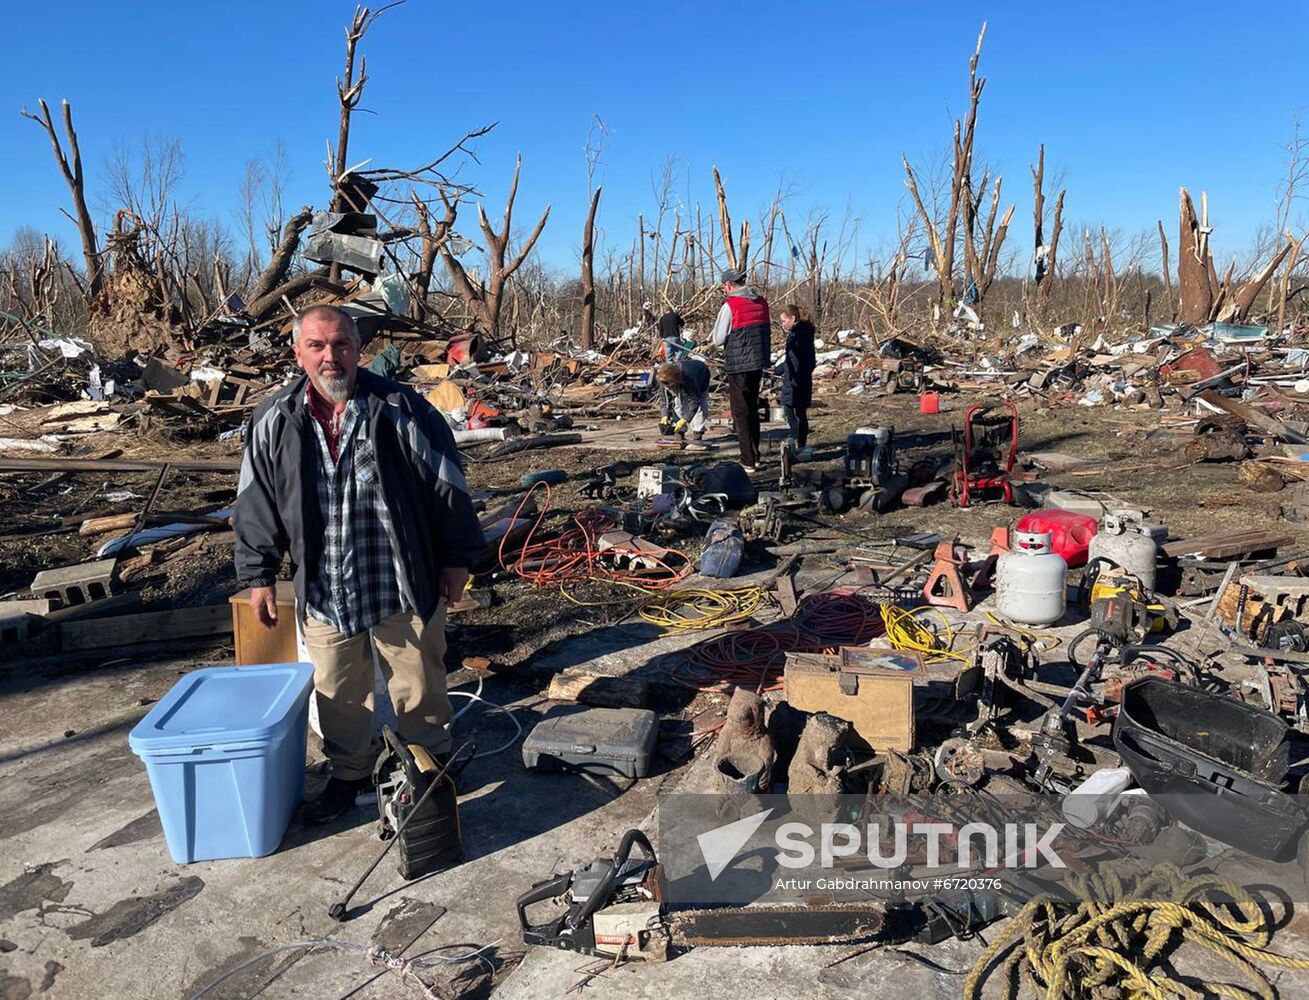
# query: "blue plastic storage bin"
225 750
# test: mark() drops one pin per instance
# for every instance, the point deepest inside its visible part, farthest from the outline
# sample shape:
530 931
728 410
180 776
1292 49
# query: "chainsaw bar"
740 927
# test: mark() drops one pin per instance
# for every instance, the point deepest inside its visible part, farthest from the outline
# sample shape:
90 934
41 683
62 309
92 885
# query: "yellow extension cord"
1114 942
905 631
695 608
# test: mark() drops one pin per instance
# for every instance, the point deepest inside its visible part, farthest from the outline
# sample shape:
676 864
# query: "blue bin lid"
223 705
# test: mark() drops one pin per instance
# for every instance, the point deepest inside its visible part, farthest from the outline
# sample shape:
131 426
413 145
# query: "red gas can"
1070 532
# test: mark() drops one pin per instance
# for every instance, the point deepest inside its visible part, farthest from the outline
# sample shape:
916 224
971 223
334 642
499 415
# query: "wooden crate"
256 644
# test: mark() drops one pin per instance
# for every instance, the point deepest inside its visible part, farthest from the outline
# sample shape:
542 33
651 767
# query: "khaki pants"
412 658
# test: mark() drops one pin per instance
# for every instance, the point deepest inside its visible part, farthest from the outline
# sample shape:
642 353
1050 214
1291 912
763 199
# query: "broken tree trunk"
942 236
588 274
274 275
1194 264
433 236
1284 283
1168 281
1237 308
737 251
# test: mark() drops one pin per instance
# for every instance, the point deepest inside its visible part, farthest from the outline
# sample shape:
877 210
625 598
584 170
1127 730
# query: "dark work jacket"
798 368
695 376
277 509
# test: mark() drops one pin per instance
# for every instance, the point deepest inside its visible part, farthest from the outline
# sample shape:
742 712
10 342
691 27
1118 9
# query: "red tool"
945 587
984 453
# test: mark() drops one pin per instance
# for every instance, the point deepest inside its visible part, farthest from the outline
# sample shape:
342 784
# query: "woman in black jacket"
798 371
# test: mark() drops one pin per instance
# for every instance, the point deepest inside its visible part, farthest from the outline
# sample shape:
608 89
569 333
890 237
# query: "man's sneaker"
750 470
805 454
336 798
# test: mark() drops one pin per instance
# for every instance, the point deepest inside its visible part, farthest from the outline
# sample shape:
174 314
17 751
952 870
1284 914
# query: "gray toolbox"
615 741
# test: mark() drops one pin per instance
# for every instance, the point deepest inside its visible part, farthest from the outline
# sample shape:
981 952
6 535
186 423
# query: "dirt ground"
1132 455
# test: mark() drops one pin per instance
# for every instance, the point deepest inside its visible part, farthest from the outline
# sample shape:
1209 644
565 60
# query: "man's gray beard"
335 389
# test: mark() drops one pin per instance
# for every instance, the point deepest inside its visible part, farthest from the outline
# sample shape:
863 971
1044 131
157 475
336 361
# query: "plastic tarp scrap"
163 532
69 347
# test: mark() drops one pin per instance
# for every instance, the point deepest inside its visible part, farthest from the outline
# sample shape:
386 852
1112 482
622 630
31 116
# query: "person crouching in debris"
670 347
743 330
798 374
685 385
358 478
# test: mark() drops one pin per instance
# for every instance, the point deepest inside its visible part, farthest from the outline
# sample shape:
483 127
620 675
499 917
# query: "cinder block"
75 585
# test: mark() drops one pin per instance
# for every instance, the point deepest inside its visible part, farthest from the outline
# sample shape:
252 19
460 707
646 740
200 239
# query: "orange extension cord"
574 555
754 657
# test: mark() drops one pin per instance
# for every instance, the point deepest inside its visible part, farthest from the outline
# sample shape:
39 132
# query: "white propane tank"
1030 580
1125 543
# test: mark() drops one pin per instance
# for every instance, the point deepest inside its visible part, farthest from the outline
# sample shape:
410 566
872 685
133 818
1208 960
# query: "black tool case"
607 741
1214 763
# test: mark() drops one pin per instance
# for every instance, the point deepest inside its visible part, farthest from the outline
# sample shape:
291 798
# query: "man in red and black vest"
743 330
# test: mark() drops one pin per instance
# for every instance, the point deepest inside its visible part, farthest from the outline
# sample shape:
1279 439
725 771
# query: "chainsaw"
613 907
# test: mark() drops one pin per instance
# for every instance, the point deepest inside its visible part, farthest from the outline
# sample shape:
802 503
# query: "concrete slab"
733 973
86 881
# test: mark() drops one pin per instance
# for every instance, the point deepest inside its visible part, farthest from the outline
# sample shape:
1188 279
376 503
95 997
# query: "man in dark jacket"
743 330
358 479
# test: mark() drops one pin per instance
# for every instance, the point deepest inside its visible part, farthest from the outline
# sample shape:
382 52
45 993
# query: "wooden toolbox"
872 689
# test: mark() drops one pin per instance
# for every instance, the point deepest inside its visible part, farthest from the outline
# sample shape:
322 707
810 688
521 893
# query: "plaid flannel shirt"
358 579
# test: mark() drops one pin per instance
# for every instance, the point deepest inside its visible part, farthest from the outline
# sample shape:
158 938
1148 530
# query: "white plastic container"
1096 798
1124 541
1030 580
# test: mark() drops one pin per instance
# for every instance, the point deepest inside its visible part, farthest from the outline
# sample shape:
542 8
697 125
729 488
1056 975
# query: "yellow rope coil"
1114 941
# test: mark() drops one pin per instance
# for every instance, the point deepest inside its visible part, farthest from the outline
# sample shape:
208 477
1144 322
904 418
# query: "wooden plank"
99 525
786 594
116 465
149 626
1224 546
1254 417
599 689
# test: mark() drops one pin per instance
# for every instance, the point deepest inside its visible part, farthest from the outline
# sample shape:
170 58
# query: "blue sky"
1131 100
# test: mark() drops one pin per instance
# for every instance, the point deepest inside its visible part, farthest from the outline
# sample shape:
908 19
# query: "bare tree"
70 165
1046 254
485 298
963 206
1168 281
349 91
596 138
